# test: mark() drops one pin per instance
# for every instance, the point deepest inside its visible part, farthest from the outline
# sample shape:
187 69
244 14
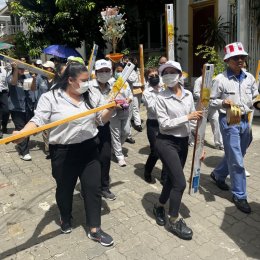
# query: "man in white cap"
234 86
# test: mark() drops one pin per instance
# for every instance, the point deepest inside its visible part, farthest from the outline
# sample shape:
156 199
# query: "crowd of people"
82 149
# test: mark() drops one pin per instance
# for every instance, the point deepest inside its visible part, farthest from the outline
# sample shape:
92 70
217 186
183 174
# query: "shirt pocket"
248 91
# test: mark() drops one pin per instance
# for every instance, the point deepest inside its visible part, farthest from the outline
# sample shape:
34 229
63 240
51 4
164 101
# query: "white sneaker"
122 163
247 173
26 157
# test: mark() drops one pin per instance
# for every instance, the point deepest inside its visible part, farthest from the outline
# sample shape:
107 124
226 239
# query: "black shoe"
130 140
242 204
107 194
65 226
159 214
221 184
148 178
100 236
181 230
138 128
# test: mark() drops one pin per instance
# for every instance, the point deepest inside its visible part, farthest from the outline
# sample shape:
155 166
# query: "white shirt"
149 98
58 105
172 112
227 86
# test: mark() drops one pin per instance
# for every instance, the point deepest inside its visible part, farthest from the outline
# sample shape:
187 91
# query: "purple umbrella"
61 51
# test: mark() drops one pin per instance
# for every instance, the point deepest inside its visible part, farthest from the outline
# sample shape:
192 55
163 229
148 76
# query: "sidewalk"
29 216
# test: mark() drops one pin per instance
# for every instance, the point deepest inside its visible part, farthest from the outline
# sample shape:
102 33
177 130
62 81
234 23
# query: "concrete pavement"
29 216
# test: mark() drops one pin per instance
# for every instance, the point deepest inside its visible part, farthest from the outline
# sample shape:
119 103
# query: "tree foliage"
210 55
72 21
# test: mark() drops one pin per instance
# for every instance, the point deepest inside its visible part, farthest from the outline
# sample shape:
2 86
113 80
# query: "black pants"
104 149
70 162
152 132
173 153
20 119
4 111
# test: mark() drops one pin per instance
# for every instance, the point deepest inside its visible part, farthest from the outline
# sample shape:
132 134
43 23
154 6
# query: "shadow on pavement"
212 161
139 171
243 229
53 215
145 150
151 198
245 232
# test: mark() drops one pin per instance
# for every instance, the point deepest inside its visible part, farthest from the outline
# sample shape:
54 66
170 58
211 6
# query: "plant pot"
115 57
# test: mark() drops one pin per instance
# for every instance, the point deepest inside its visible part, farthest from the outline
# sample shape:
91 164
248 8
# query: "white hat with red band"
234 49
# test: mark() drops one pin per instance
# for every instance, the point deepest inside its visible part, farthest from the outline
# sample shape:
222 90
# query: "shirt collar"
183 93
96 85
240 77
151 89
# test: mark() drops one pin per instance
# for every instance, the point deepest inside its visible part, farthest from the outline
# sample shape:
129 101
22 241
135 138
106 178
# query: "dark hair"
72 70
149 70
59 68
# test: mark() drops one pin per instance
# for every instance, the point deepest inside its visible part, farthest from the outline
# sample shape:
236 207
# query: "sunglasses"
238 57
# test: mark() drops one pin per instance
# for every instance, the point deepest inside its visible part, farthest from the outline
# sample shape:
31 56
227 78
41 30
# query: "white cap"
49 64
38 62
234 49
170 64
100 64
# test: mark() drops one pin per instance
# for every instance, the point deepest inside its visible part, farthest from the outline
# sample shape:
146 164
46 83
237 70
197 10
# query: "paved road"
29 216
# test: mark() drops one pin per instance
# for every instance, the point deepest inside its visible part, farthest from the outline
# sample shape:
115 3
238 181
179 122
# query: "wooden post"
141 53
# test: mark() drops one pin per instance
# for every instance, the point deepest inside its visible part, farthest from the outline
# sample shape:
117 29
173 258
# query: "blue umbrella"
61 51
4 46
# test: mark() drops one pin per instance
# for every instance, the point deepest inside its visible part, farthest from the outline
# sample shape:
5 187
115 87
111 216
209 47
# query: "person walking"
149 98
21 102
174 109
213 116
74 146
234 86
103 72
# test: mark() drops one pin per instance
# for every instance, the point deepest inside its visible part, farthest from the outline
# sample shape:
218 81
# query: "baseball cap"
75 59
100 64
170 64
49 64
38 62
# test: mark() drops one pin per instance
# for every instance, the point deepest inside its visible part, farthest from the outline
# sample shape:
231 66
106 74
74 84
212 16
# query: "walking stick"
119 84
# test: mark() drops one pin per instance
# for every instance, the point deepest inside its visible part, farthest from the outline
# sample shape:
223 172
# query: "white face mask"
103 77
118 74
83 87
170 80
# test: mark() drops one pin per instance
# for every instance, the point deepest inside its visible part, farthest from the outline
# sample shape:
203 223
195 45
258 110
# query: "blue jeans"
236 139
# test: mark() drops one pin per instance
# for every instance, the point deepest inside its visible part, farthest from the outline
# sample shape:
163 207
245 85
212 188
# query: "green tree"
210 55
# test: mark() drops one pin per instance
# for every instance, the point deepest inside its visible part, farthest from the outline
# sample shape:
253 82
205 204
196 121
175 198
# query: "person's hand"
18 140
203 155
14 65
195 115
227 103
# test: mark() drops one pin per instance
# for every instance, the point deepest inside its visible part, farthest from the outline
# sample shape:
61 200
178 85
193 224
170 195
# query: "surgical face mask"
103 77
170 80
154 81
83 87
118 74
